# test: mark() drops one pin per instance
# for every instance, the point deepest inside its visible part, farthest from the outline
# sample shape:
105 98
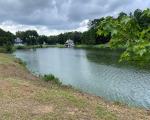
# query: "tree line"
90 37
128 31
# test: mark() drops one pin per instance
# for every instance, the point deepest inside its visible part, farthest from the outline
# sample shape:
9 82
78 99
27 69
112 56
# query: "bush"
8 48
19 47
51 78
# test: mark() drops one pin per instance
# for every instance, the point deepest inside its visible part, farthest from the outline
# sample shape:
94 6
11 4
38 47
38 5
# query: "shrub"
8 48
20 47
51 78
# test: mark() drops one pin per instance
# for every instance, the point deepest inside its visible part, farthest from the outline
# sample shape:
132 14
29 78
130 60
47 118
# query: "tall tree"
42 39
6 38
30 37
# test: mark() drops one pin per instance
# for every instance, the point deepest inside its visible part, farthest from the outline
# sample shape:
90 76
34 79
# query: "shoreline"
100 46
49 97
92 47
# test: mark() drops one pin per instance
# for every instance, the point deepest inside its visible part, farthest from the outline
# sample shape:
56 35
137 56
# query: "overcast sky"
52 17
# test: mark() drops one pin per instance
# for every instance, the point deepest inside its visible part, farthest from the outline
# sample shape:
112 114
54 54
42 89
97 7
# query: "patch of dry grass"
26 97
5 59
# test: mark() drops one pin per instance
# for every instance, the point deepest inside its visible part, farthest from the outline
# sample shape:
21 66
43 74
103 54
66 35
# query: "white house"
69 43
18 42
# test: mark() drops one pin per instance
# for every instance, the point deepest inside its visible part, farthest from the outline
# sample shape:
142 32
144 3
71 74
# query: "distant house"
44 43
18 42
69 43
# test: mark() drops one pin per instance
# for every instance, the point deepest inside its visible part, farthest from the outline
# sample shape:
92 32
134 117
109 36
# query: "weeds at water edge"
51 78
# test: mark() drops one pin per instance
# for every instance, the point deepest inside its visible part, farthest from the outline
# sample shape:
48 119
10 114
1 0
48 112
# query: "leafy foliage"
6 41
30 37
6 37
51 78
131 33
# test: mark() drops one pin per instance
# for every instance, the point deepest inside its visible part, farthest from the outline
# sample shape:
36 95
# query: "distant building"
69 43
44 43
18 42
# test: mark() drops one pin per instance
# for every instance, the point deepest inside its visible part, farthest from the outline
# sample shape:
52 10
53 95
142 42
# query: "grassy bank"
58 46
106 46
100 46
31 46
26 97
93 46
38 46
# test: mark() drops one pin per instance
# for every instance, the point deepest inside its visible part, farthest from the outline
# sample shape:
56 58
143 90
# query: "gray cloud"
63 14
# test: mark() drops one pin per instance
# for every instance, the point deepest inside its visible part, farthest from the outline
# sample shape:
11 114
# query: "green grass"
31 46
36 46
57 46
6 116
104 114
100 46
59 97
1 94
2 50
6 59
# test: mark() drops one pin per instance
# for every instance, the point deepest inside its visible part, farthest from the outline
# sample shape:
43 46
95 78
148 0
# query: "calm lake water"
92 71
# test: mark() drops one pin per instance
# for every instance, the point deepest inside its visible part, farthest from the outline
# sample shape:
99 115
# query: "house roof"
18 40
69 41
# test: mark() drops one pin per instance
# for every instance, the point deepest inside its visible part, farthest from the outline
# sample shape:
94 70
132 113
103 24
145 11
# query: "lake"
92 71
